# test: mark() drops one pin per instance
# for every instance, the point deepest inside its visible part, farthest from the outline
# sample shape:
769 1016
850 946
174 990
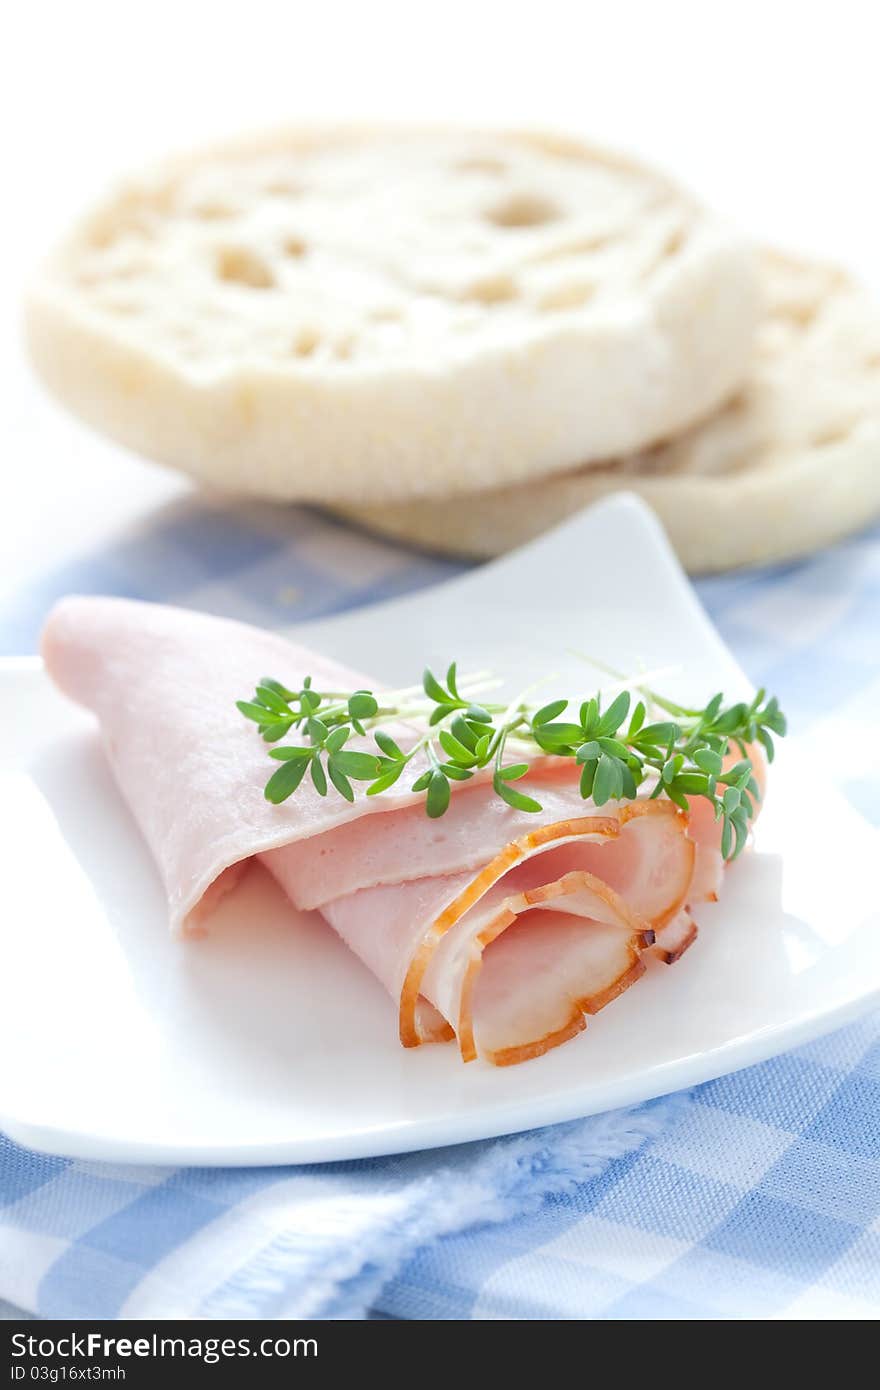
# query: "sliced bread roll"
790 463
354 315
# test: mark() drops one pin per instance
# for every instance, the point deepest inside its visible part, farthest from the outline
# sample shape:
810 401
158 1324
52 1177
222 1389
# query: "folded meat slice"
163 684
501 926
535 962
608 880
538 980
513 973
523 967
651 865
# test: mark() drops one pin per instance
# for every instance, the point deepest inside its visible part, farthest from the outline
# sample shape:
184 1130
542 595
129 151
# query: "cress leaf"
613 747
615 714
387 780
272 732
258 713
336 739
637 720
513 772
556 735
455 750
458 774
658 734
481 752
587 778
588 752
285 781
339 780
272 700
437 800
476 714
388 746
549 712
461 729
317 730
708 760
363 767
589 715
278 688
607 781
433 689
518 800
362 705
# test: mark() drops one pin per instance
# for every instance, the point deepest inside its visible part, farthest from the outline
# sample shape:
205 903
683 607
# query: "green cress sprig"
680 756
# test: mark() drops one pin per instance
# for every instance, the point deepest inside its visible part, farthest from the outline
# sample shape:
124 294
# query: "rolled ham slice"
163 684
503 927
434 927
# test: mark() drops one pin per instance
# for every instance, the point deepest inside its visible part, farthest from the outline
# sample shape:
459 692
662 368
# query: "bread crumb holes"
495 289
523 210
480 164
214 212
566 297
239 266
306 343
674 243
833 434
283 188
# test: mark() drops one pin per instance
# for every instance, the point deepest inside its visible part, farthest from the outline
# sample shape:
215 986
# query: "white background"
769 110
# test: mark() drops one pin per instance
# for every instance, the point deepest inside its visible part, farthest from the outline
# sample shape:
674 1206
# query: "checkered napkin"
757 1195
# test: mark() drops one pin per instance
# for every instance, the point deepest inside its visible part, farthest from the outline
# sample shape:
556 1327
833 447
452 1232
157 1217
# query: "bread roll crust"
352 315
790 463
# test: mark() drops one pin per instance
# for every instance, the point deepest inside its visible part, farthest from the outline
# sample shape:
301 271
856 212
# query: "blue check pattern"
755 1196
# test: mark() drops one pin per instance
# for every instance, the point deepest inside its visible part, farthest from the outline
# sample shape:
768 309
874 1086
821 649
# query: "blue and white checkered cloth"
757 1195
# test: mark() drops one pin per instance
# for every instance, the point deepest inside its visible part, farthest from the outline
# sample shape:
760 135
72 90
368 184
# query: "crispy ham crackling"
502 927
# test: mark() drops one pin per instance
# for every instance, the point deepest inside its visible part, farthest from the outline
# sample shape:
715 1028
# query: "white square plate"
267 1042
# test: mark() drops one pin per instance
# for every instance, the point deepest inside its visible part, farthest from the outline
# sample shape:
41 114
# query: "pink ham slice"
649 864
578 969
502 926
574 945
423 935
163 684
521 968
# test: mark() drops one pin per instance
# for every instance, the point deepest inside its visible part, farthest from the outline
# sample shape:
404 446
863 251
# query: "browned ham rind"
675 938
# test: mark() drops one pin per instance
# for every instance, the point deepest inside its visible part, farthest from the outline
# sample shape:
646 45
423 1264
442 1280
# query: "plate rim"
515 1115
416 1135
